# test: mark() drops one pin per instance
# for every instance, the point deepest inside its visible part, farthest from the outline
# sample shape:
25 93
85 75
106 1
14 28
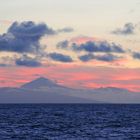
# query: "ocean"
69 122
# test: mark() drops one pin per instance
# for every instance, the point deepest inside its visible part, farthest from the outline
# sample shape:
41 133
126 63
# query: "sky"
77 43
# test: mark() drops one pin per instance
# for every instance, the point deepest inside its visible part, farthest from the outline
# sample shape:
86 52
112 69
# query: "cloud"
60 57
136 55
63 44
65 30
86 57
102 46
24 37
128 29
27 61
30 30
105 57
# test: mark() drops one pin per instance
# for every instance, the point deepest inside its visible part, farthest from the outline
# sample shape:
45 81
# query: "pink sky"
74 76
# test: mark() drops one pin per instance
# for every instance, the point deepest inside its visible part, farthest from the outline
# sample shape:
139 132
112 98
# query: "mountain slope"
40 83
41 90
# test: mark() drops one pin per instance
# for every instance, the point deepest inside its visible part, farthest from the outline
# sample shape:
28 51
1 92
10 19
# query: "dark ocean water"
69 122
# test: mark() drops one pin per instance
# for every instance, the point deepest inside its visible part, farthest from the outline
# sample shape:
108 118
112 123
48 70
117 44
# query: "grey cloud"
30 30
128 29
27 61
24 37
60 57
103 46
105 57
86 57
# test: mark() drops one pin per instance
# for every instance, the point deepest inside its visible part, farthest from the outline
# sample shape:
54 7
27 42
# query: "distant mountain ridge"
43 90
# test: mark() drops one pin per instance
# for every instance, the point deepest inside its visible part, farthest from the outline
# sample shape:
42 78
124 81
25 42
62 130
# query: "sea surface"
69 122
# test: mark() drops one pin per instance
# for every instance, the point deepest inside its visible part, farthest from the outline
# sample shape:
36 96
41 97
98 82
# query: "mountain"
43 90
40 83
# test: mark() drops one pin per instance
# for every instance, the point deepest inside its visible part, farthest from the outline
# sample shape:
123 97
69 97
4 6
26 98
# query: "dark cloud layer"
128 29
104 46
105 57
27 61
60 57
24 37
